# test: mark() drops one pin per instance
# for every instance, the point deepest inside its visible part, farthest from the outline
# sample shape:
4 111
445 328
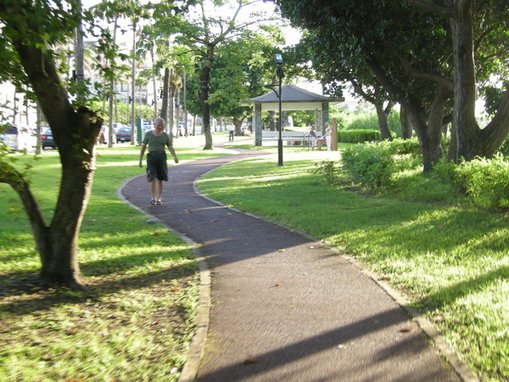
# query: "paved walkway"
284 308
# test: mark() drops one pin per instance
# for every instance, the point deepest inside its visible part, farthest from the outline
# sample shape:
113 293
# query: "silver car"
9 134
18 138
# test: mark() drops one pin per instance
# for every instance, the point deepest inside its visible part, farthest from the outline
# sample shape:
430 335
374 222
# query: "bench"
290 138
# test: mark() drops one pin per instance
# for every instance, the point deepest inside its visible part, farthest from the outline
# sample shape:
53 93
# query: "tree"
205 33
480 43
30 32
241 69
399 53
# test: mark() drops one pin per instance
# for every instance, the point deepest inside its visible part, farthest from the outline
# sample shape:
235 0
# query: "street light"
280 75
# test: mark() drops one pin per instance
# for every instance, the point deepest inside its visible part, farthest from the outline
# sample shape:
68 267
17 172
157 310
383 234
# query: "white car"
17 138
9 136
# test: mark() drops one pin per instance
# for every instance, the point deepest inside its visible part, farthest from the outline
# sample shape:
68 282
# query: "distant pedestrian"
312 137
325 140
232 134
328 136
157 168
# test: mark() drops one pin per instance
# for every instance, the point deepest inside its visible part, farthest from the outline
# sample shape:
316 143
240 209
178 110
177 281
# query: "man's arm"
142 151
172 152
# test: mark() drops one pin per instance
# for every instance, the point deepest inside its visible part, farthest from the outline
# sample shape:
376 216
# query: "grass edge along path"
137 318
452 263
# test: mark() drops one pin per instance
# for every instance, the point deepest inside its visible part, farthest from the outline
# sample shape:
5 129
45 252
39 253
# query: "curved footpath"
285 308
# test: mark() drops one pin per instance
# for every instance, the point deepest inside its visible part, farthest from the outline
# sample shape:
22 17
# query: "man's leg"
153 191
158 190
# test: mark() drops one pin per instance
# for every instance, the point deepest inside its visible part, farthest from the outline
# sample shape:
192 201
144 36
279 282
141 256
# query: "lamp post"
280 75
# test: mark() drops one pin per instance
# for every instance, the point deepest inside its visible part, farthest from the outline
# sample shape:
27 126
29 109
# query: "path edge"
448 354
197 345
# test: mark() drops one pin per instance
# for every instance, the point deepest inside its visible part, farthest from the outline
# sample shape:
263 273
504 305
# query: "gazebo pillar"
318 120
325 112
257 123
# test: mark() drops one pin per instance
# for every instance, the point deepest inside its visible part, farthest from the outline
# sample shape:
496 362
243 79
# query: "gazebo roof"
293 98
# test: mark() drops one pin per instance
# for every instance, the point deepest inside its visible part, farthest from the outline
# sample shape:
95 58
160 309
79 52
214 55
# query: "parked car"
117 126
17 138
123 135
9 136
147 126
47 139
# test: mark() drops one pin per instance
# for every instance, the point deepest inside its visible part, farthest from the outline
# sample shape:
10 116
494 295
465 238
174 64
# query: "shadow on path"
284 308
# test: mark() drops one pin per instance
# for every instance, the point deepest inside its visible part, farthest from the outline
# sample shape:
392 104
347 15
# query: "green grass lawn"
451 262
136 319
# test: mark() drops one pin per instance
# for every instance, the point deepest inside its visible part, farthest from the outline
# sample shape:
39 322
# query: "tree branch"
16 180
432 8
435 77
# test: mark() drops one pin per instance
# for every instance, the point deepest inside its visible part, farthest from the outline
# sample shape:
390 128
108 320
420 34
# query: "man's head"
159 124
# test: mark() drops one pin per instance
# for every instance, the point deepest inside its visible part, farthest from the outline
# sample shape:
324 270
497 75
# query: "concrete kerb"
461 369
190 369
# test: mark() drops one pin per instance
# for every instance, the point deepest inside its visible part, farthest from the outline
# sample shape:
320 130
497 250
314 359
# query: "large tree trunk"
495 133
406 125
78 172
204 96
383 123
429 132
166 86
428 135
171 111
75 133
464 123
272 120
238 126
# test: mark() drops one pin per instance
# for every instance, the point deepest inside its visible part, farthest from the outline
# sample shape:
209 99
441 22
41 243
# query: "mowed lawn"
452 262
137 317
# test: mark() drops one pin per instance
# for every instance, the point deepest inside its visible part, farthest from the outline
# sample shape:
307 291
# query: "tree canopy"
412 50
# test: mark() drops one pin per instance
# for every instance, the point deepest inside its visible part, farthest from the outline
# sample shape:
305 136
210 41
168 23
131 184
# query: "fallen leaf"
250 361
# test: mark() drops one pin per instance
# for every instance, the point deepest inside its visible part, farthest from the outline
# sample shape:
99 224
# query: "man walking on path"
157 168
285 308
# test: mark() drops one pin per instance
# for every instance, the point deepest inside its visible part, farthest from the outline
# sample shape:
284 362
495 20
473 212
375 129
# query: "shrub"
329 170
405 146
370 122
371 165
364 122
358 136
486 181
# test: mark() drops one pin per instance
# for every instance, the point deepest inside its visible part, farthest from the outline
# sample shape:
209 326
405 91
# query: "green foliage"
395 167
123 112
303 118
369 121
358 136
329 171
486 181
404 146
371 165
365 122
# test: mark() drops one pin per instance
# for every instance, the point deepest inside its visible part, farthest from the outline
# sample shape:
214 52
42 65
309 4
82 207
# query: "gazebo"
292 98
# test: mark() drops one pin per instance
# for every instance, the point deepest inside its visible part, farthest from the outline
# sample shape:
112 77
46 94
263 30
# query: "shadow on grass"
438 229
112 271
448 295
24 283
